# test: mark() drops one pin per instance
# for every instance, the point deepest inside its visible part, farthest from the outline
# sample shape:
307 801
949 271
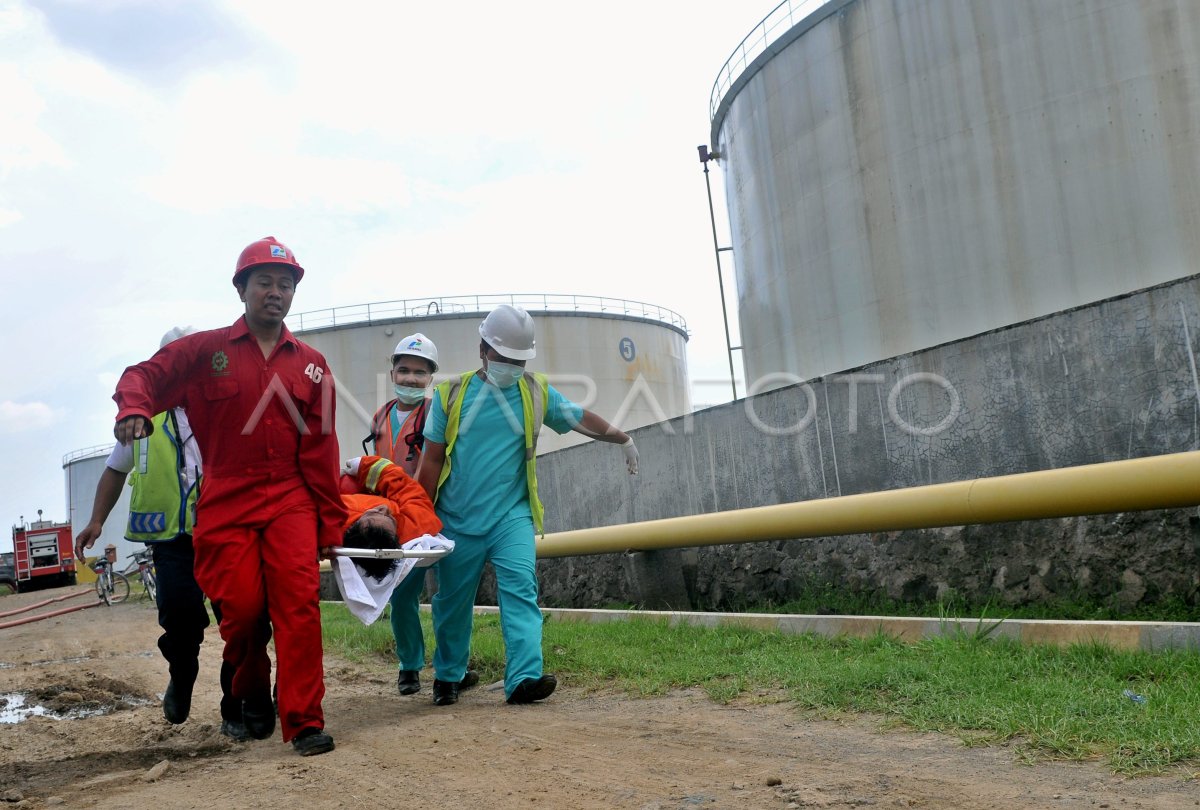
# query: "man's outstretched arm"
596 427
108 492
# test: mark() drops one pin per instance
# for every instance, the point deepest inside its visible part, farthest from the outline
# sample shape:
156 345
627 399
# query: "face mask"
503 375
409 395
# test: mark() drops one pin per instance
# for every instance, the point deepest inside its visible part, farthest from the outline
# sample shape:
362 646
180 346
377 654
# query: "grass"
1047 702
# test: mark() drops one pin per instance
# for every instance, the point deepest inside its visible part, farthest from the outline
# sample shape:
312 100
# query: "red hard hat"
267 250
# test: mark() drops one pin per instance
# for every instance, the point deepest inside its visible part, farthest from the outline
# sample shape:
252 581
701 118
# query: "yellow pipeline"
1156 482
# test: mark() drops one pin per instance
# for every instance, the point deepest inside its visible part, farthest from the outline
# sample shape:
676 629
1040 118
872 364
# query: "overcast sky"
401 149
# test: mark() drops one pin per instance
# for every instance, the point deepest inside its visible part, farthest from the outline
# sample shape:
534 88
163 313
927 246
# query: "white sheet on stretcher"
365 596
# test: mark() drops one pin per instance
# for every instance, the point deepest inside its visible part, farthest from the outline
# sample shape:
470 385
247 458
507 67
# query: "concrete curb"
1147 636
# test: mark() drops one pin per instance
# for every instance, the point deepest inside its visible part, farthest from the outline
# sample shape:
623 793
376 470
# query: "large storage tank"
900 175
625 360
83 469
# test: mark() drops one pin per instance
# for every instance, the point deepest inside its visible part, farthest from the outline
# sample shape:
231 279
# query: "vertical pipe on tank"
705 156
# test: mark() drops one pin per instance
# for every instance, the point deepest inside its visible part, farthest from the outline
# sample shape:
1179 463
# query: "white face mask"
409 395
503 375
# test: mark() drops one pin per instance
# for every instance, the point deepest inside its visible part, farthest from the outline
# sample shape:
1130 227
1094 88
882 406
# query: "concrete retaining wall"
1112 380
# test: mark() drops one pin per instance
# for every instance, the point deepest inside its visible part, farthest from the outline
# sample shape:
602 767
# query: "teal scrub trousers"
509 547
406 620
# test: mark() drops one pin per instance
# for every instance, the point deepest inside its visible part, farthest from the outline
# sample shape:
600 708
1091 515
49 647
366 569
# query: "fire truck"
42 554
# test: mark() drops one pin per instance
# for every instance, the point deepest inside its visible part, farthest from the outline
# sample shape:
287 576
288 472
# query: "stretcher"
424 557
366 592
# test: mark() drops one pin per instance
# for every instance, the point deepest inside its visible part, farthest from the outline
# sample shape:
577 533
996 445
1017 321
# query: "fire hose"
40 616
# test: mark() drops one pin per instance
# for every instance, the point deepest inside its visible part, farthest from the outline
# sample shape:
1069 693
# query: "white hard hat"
417 345
509 330
175 333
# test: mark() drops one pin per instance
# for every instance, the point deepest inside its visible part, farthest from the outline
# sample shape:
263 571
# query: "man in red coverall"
261 404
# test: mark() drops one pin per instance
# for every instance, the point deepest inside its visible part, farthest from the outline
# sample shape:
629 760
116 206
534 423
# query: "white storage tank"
82 469
625 360
904 174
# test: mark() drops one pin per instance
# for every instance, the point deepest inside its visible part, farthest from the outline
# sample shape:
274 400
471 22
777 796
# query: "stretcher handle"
392 553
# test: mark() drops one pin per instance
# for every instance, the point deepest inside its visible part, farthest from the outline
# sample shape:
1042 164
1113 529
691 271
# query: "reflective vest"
162 505
405 449
534 398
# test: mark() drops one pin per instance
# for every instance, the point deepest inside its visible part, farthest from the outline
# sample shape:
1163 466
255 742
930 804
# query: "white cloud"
23 143
22 417
403 150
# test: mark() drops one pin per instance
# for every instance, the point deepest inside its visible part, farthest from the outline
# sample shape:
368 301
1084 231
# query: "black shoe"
258 716
177 702
312 741
532 689
231 709
445 693
409 682
469 680
234 730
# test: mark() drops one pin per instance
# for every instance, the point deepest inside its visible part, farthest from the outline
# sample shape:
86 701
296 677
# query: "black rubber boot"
177 702
532 689
445 693
312 741
409 682
258 716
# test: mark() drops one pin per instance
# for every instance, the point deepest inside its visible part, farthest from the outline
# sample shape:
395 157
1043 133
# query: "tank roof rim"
477 306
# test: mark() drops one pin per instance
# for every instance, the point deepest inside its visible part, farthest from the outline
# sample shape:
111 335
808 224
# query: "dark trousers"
181 611
183 618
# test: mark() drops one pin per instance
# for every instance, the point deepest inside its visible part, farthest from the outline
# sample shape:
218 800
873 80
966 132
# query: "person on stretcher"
387 508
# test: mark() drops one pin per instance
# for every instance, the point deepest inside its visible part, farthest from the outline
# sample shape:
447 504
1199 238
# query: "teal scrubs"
484 506
406 598
406 620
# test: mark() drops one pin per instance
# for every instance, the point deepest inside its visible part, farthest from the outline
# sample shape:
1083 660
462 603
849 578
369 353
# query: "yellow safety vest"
162 505
535 395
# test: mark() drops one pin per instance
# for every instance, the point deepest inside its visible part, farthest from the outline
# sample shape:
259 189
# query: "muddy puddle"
70 701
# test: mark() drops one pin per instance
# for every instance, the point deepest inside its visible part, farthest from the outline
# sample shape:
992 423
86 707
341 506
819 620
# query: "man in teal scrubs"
479 467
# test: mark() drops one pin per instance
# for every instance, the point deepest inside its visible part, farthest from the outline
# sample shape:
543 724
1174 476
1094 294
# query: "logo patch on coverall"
220 362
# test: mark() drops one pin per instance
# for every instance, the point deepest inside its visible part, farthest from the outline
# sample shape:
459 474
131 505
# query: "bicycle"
111 586
145 567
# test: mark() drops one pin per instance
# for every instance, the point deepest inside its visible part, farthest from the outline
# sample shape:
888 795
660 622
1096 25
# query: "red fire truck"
43 554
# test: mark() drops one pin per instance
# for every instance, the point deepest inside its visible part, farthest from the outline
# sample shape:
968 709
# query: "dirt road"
578 750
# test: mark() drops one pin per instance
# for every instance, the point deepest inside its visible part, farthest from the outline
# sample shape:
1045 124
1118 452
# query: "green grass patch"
1048 702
